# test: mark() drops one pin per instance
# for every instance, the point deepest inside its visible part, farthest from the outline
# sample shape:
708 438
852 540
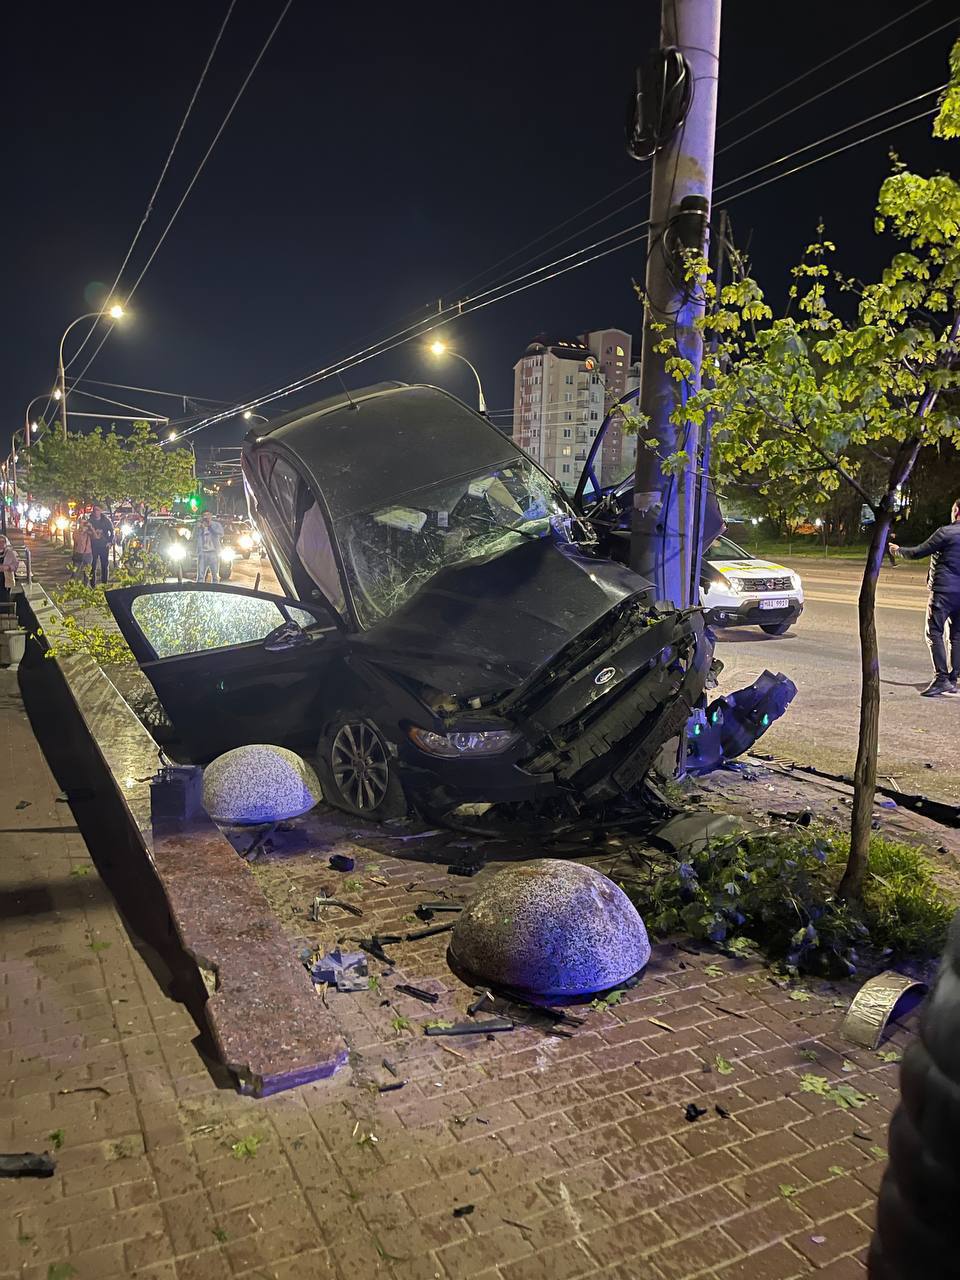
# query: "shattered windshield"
390 553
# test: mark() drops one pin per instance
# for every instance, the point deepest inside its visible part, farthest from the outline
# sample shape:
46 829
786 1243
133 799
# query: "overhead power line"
199 169
544 274
152 391
163 173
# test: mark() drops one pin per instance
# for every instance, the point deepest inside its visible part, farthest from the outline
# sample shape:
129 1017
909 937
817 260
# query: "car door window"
187 621
316 555
283 484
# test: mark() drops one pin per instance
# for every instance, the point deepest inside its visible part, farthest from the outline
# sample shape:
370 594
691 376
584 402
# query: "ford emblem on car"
604 675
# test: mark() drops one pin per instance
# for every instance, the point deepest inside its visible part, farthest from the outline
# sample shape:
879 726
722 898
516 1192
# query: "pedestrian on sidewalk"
82 558
101 533
9 564
209 543
943 608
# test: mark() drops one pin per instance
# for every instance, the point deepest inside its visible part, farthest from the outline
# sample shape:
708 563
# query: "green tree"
811 400
107 467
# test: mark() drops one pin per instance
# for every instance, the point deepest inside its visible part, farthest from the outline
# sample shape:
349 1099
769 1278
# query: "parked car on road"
448 631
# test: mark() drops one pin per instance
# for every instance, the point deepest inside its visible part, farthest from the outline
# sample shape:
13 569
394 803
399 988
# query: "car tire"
225 572
245 555
776 628
375 792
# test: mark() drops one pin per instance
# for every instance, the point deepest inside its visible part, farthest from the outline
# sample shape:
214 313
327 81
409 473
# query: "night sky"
381 156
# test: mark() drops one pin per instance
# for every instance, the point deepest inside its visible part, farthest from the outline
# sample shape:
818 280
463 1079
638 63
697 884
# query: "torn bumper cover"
600 715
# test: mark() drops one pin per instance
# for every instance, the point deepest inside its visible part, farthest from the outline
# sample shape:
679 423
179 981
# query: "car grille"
784 583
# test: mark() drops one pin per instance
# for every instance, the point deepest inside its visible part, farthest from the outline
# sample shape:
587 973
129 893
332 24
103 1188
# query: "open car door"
230 666
606 502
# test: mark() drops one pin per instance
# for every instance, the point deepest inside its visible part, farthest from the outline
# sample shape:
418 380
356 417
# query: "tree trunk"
865 774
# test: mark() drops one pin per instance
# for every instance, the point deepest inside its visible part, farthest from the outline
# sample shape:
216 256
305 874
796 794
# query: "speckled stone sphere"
550 928
258 784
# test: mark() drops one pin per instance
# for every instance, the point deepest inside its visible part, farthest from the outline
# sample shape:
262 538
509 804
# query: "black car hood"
487 625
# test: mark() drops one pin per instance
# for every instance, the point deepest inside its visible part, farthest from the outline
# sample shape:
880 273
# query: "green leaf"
879 1152
246 1148
98 946
787 1190
723 1066
438 1023
889 1055
400 1023
800 995
220 1235
60 1271
837 1170
80 871
715 971
56 1138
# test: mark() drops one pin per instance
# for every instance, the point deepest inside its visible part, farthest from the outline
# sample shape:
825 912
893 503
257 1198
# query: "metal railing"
25 557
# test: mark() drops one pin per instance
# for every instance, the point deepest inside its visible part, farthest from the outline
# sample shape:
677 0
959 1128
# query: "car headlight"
183 533
469 742
735 584
126 530
176 551
795 581
227 553
246 542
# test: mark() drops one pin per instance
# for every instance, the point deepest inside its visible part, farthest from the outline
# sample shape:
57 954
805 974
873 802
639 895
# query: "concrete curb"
269 1028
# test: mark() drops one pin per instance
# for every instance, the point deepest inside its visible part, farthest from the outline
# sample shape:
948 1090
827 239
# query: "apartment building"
557 406
562 390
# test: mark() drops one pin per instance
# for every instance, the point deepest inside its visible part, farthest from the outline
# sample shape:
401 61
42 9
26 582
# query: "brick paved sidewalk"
574 1152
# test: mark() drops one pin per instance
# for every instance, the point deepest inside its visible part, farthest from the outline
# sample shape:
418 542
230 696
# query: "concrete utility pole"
664 507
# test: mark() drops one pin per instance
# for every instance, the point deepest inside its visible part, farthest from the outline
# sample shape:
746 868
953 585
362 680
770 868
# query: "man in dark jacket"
944 605
101 540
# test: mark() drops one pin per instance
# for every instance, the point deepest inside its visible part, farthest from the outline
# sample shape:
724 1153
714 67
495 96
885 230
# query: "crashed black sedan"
449 633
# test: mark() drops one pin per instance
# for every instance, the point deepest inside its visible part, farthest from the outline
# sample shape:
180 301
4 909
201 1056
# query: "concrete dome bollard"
550 928
259 784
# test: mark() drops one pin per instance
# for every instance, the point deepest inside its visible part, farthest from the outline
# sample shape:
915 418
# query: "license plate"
775 602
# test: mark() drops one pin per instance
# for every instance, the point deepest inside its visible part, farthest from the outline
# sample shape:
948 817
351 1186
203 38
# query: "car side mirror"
289 635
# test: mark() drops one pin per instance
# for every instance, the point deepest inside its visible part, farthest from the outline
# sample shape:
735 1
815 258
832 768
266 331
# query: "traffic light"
730 726
195 502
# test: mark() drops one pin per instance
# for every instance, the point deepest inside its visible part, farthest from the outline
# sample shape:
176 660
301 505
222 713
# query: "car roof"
369 447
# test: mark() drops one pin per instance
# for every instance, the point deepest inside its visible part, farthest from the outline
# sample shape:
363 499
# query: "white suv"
740 590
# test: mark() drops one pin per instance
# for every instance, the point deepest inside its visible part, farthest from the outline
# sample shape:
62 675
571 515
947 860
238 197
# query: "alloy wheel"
360 766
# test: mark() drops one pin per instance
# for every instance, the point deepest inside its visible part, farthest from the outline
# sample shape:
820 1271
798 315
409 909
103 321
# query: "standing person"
209 535
101 533
9 564
944 604
82 559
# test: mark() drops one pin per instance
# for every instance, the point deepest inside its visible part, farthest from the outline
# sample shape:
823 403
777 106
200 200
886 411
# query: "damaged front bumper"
592 723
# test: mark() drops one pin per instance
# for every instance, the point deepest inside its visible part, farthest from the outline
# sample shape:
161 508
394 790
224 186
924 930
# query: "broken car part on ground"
449 632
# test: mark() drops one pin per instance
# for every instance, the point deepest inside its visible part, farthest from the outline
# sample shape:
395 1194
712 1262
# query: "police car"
741 590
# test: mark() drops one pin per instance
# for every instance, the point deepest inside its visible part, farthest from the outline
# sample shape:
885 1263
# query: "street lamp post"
254 417
441 349
115 313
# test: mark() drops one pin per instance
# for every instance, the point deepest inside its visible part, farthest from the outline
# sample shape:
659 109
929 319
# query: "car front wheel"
776 628
358 773
226 569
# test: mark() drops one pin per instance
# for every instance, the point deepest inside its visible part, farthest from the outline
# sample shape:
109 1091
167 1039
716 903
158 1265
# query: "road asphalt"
919 737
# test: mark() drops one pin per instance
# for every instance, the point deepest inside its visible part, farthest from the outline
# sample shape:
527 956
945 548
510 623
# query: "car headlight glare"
176 551
227 553
735 584
246 542
126 530
464 743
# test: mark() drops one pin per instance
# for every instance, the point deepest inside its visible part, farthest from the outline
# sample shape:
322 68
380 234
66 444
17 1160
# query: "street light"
439 348
116 312
171 435
253 417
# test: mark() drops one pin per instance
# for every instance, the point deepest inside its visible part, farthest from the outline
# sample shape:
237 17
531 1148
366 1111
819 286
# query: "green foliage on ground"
777 888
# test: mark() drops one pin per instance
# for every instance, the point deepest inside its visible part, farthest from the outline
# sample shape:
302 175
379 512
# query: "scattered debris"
818 1239
447 1049
428 997
425 911
787 1190
322 900
340 862
462 1210
426 933
873 1005
843 1095
23 804
722 1112
391 1086
664 1026
27 1164
87 1088
693 1112
374 947
471 1028
464 868
347 971
521 1226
